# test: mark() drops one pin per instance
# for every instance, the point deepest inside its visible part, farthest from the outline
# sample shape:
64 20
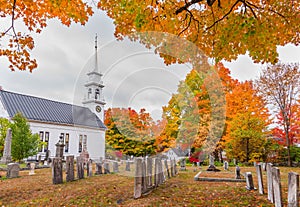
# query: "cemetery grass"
117 190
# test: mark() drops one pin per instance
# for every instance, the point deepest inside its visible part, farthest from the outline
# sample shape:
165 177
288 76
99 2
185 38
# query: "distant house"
80 127
176 153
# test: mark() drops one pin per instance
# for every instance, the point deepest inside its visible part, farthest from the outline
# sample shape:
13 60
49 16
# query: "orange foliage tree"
16 43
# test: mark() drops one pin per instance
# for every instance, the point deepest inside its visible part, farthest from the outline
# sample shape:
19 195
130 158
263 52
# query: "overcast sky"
132 75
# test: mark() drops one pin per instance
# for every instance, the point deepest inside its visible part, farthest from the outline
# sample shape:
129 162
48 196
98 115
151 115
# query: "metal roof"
44 110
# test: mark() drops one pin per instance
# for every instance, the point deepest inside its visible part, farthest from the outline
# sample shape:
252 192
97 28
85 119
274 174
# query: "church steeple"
94 96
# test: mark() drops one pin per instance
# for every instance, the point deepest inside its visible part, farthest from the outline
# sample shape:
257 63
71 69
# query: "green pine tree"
24 143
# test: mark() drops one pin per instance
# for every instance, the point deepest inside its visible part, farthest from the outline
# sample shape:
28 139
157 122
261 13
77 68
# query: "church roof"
44 110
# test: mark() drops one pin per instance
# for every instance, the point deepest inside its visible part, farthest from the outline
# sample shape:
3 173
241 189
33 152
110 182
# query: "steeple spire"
96 55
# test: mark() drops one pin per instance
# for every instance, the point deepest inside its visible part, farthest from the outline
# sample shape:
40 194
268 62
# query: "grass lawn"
117 190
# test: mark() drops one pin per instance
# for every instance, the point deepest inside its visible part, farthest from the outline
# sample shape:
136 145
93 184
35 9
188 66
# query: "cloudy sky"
132 75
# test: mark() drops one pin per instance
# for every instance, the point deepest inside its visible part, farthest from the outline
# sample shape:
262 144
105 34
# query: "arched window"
89 93
97 94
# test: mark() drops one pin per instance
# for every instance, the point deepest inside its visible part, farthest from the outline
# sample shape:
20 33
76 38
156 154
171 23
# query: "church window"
67 143
44 137
85 142
89 93
97 94
41 139
46 141
80 143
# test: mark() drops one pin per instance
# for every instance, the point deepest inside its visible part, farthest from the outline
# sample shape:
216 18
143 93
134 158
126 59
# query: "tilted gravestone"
183 164
270 183
13 170
70 168
144 183
167 168
32 167
6 158
293 189
260 179
225 165
237 172
138 178
277 187
98 168
106 168
249 181
80 167
57 171
149 166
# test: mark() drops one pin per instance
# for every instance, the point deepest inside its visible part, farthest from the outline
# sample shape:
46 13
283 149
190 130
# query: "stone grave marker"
89 168
59 148
6 158
270 183
260 179
167 168
70 168
144 183
293 189
80 167
277 187
106 168
127 167
138 178
172 168
225 165
237 172
57 171
115 167
13 170
182 164
32 167
98 168
249 181
149 166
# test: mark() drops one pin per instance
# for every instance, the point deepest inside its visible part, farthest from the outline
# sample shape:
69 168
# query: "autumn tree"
130 132
17 42
279 84
221 29
247 121
23 143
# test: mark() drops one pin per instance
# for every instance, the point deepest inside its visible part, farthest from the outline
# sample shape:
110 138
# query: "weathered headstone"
167 168
277 187
249 181
12 170
89 168
264 166
106 168
115 167
293 189
70 168
138 178
32 167
234 161
127 167
6 158
98 168
172 168
57 171
237 172
270 183
225 165
182 164
59 148
212 166
175 167
144 183
80 167
156 171
149 166
259 179
47 157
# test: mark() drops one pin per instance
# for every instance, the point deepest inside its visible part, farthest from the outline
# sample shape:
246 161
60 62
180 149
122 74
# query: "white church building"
80 127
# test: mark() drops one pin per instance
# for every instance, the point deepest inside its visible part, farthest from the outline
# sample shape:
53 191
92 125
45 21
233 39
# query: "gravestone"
249 181
127 168
138 178
70 168
80 167
172 168
6 158
270 183
212 166
89 168
264 166
293 189
32 167
57 171
182 164
98 169
259 179
175 167
85 155
237 172
59 148
167 168
12 170
115 167
144 182
47 157
234 162
106 168
277 187
149 166
225 165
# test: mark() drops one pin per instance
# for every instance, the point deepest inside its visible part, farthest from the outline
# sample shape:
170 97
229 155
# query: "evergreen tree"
4 125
